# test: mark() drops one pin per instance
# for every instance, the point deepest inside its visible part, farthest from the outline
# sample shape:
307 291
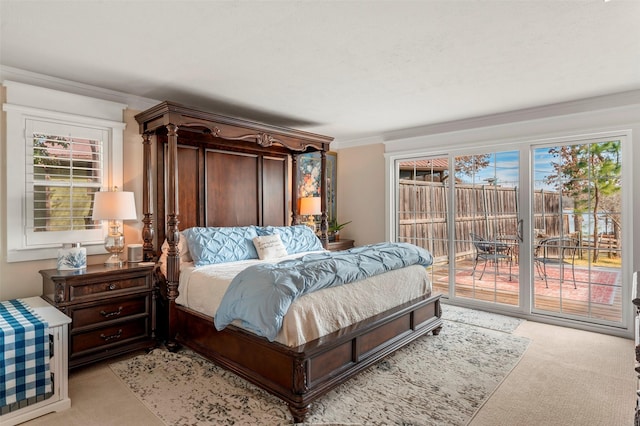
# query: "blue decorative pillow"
296 239
219 245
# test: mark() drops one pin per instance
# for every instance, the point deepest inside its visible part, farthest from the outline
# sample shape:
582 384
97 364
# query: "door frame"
524 146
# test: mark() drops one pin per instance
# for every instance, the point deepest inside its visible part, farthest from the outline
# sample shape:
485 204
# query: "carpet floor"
436 380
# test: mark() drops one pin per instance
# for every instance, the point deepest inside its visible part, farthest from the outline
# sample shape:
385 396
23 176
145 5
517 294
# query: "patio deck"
598 294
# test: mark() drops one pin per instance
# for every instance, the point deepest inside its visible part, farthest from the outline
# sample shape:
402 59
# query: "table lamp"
310 206
114 206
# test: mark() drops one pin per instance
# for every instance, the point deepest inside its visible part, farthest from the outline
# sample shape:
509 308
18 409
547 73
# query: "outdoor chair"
490 251
559 251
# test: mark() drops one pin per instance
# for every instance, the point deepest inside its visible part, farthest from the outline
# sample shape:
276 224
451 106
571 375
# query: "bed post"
300 388
323 198
172 233
294 189
147 228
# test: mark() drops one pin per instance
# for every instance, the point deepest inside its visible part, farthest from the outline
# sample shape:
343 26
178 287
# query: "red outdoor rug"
596 284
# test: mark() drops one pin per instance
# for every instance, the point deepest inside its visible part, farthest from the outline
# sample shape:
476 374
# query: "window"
56 161
64 167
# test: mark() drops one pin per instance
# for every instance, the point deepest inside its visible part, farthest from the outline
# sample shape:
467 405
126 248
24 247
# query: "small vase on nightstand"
72 257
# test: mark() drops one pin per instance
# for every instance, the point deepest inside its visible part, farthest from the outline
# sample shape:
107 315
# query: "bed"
204 170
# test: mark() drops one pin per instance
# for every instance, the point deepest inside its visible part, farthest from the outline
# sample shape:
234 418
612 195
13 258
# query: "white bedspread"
315 314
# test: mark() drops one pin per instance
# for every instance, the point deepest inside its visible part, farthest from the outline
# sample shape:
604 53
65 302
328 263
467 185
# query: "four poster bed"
213 171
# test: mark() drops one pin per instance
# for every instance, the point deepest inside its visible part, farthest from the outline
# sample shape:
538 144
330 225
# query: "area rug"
436 380
597 285
480 318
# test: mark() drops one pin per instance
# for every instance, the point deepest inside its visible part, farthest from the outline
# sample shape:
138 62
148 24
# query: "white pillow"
185 256
183 248
269 247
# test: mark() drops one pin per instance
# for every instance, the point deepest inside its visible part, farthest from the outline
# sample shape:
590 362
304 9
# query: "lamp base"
114 261
311 223
114 243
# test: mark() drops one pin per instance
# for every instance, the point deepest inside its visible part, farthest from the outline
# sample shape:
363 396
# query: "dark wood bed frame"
212 170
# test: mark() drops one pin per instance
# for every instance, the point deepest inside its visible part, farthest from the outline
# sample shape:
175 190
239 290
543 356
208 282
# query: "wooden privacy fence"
490 211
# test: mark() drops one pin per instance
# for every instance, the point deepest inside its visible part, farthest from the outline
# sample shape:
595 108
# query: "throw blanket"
260 295
24 348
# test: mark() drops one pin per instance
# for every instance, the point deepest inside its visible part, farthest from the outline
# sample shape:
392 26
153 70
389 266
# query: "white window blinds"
64 168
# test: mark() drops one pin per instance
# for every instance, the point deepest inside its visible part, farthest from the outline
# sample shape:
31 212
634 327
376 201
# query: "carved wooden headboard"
213 170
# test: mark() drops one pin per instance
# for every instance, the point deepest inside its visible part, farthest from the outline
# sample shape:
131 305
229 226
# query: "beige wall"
361 193
132 154
360 199
21 279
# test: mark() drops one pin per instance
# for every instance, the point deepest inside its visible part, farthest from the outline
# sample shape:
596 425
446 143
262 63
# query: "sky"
504 167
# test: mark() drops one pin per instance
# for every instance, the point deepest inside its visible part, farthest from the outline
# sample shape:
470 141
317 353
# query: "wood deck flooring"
574 308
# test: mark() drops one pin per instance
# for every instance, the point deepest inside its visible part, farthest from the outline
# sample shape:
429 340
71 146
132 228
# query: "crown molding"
614 100
351 143
54 83
604 102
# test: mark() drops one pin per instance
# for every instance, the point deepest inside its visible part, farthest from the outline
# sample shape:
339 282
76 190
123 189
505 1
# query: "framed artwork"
308 184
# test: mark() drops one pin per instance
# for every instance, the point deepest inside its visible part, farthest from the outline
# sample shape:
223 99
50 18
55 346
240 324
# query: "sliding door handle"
520 224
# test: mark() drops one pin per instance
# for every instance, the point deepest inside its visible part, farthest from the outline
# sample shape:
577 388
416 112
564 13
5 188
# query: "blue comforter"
260 295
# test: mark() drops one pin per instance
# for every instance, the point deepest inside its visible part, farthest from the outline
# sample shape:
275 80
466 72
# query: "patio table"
513 243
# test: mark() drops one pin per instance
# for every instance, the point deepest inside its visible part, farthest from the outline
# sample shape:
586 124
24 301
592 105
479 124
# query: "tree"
589 174
41 146
469 165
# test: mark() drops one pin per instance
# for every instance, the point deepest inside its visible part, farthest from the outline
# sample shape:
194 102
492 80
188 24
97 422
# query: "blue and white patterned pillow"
221 244
296 239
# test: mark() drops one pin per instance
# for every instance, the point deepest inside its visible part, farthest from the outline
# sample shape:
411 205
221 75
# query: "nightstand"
112 310
339 245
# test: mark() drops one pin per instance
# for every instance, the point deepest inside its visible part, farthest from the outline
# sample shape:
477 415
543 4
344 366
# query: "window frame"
26 104
525 144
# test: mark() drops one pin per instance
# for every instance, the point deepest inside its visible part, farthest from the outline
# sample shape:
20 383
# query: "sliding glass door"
486 218
422 213
464 209
536 228
577 230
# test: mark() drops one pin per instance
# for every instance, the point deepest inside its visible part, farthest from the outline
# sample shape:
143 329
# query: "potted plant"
334 229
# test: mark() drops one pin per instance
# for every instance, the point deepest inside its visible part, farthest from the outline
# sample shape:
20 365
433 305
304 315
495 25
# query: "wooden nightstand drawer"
112 309
109 311
114 335
82 291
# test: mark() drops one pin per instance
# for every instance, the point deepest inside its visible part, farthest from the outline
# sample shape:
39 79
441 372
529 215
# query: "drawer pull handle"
111 314
113 336
112 286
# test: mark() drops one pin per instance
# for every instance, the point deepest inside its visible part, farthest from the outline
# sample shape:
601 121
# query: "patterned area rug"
480 318
436 380
598 285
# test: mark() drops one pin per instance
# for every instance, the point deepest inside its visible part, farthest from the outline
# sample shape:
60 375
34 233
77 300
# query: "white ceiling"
348 69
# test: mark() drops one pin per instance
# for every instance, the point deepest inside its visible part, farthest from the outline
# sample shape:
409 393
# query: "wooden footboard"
302 374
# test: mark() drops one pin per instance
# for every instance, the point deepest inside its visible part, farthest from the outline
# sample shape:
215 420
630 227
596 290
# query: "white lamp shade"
310 205
114 206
